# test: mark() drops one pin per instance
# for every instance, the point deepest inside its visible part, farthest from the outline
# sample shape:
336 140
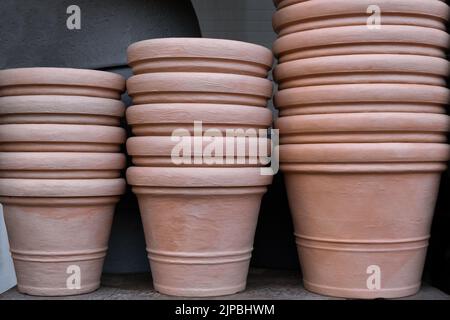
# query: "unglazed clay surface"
206 248
61 81
199 55
199 87
318 14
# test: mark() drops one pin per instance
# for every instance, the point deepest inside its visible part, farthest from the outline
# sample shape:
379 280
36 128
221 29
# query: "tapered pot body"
58 232
199 225
362 214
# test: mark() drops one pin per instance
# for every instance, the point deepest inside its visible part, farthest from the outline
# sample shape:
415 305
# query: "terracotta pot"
61 81
360 209
318 14
361 40
347 98
61 109
57 227
60 138
199 87
364 127
364 68
199 225
199 151
199 55
61 165
163 119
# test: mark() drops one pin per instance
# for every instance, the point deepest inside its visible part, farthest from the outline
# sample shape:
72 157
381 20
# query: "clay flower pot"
318 14
60 138
364 127
199 87
364 68
198 151
347 98
61 81
199 226
361 40
163 119
363 212
199 55
60 109
61 165
58 229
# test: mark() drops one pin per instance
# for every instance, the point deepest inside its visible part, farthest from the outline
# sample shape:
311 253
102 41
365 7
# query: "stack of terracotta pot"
363 138
199 212
60 166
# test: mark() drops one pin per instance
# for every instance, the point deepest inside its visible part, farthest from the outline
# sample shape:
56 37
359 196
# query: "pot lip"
277 3
364 152
181 113
61 133
64 188
367 92
50 104
349 35
163 145
199 82
364 122
62 77
204 48
297 12
196 177
389 63
61 161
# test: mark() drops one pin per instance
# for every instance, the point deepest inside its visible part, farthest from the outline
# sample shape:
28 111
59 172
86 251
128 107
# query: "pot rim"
199 82
54 104
362 63
367 92
196 177
204 48
284 3
178 113
364 122
46 161
394 34
163 145
61 133
61 188
62 77
365 153
298 12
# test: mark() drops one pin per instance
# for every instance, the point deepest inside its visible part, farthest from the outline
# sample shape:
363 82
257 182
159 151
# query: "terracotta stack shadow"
60 168
199 186
363 129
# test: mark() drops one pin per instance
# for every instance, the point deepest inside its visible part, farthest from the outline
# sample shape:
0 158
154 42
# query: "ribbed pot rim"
181 113
362 63
164 145
61 133
46 161
203 48
67 105
365 122
365 153
284 3
324 9
392 34
62 77
199 82
359 93
196 177
61 188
